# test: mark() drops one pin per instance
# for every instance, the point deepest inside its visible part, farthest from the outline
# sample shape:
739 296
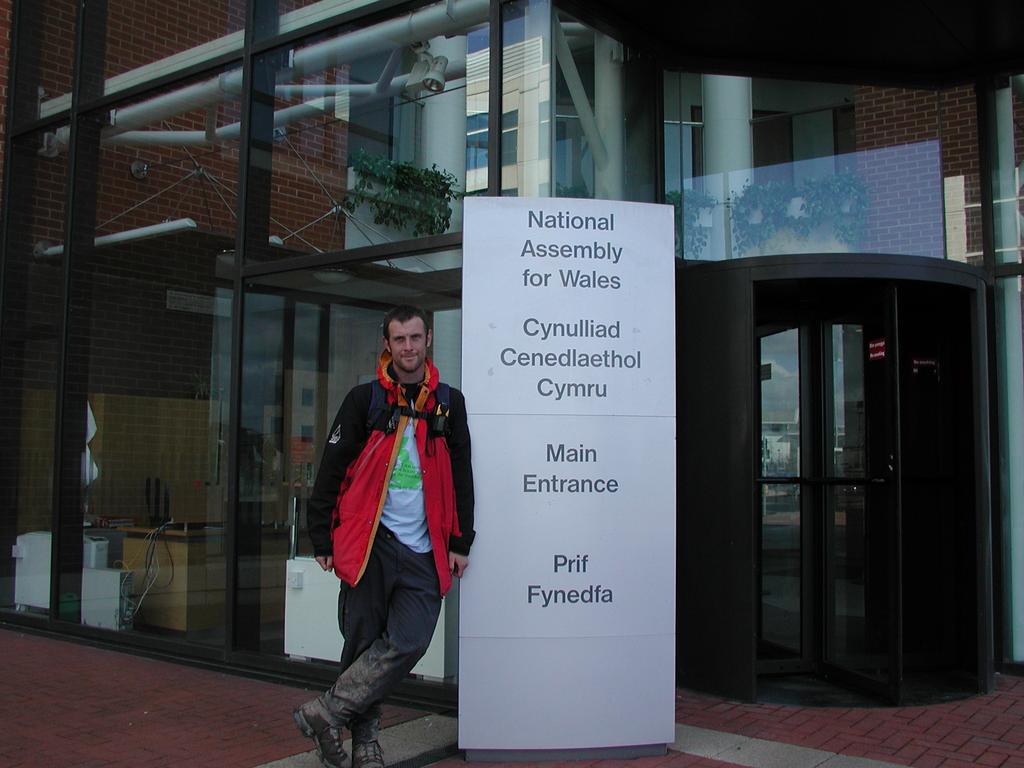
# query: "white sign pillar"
568 609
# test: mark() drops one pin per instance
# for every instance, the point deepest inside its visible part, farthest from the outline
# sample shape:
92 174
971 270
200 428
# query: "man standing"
392 514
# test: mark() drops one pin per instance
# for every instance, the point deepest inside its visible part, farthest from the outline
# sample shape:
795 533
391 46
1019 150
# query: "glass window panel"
602 103
857 580
1010 356
176 35
362 137
961 174
786 167
526 90
781 571
1008 169
310 336
846 454
780 404
46 49
147 389
29 354
276 17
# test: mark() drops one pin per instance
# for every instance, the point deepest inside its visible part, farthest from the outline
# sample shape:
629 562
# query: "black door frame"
718 584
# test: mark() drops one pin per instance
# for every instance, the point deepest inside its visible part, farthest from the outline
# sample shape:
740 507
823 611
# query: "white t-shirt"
403 511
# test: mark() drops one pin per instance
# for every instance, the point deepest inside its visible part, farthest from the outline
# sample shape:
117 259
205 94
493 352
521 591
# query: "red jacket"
365 487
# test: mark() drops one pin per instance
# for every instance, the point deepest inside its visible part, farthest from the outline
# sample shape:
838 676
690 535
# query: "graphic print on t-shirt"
406 474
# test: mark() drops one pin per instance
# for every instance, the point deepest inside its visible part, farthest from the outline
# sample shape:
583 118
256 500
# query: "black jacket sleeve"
462 473
350 428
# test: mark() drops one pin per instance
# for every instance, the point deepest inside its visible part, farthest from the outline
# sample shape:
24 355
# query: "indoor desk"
188 593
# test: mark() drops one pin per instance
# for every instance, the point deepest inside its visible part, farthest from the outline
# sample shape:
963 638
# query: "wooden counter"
188 593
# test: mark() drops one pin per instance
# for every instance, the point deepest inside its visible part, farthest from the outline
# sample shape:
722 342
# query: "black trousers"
387 621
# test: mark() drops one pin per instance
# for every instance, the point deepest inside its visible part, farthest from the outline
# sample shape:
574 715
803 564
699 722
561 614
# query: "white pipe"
129 235
355 91
419 25
363 90
140 233
176 102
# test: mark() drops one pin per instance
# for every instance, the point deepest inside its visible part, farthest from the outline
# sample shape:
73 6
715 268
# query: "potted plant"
400 195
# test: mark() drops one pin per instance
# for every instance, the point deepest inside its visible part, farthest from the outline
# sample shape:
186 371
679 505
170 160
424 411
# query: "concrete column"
727 111
609 178
444 122
728 149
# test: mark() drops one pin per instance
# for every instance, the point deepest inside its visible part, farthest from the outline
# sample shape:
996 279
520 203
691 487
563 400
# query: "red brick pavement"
65 704
979 731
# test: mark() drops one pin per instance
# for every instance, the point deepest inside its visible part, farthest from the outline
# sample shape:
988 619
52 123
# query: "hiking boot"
365 727
316 723
367 755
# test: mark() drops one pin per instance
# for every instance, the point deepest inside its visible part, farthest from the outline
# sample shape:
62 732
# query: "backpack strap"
383 417
378 414
438 419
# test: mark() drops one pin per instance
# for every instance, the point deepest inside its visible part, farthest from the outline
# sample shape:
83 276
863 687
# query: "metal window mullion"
12 79
494 98
89 14
231 517
984 100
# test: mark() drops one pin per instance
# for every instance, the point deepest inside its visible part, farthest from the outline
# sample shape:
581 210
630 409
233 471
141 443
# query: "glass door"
781 622
828 490
860 498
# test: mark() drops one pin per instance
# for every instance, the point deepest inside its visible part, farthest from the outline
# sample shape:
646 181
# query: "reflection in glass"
602 103
847 432
526 91
277 17
781 565
1007 168
1010 355
757 166
144 474
33 296
177 33
857 583
310 336
780 404
46 47
366 133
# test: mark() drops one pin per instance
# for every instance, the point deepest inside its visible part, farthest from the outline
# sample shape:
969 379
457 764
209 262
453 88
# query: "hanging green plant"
841 198
836 203
691 238
400 195
758 211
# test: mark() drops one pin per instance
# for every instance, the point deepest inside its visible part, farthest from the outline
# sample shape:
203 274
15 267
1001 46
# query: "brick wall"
896 130
927 136
143 31
5 47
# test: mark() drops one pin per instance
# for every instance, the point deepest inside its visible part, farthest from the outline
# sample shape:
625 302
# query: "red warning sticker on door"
876 349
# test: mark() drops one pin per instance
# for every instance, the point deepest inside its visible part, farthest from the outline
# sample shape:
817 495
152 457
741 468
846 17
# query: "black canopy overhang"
920 42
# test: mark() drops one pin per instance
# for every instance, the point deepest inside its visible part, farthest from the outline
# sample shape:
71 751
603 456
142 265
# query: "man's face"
407 342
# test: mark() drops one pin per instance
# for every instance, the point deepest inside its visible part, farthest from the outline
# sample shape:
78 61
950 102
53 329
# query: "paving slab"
761 753
415 742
